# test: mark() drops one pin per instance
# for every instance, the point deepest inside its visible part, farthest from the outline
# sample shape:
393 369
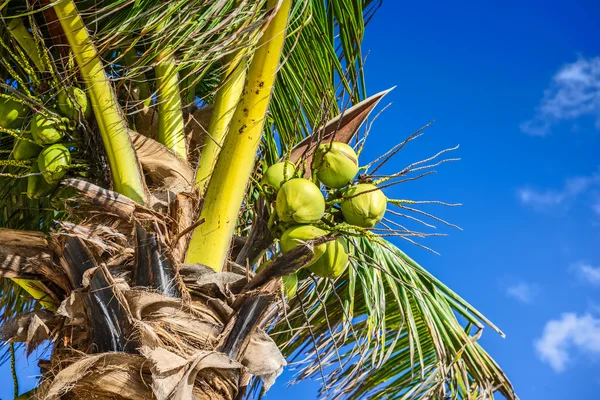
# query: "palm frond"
322 71
389 329
199 34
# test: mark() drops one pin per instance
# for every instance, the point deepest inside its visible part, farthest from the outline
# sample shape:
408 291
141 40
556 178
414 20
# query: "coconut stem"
225 192
125 170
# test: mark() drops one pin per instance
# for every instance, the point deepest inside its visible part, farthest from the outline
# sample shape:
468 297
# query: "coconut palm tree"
145 242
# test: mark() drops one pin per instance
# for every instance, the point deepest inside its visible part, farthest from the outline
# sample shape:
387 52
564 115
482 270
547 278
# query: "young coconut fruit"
22 149
290 282
296 235
53 162
70 108
37 187
364 205
336 164
12 113
46 130
276 174
333 262
300 201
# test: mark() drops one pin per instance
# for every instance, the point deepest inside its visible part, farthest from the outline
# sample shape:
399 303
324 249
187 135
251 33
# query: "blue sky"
517 85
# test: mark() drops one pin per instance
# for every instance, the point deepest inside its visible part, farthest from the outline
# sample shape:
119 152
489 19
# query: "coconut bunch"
323 194
47 140
306 208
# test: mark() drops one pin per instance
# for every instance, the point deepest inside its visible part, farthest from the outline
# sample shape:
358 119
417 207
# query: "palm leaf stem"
210 241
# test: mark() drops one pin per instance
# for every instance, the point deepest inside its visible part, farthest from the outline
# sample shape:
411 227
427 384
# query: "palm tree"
138 242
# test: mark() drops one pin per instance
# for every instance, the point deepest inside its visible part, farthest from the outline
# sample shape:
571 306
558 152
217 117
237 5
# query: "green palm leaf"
389 329
323 64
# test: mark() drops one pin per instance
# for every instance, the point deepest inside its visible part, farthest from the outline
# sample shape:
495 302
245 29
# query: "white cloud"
589 272
574 92
572 188
522 291
563 336
540 198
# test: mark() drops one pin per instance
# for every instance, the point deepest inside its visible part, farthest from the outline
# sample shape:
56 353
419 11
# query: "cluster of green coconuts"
43 139
300 205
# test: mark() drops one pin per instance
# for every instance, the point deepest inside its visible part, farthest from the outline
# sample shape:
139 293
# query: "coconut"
70 108
336 164
46 131
12 113
290 285
364 205
23 149
301 201
299 234
53 162
290 282
333 262
277 173
37 187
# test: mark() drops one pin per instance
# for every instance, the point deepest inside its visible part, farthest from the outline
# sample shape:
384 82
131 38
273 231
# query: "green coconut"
12 113
364 205
277 173
299 234
336 164
72 100
37 187
333 262
290 285
22 149
46 130
290 282
53 162
300 201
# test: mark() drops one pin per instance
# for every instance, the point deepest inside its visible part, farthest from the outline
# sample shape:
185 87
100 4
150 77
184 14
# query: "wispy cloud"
572 188
574 92
523 292
570 333
589 272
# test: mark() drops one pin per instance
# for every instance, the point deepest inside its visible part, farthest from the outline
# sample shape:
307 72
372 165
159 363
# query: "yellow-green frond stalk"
226 100
23 37
225 192
36 291
125 170
171 126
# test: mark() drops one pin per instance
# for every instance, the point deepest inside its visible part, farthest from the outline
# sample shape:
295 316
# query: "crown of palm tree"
162 79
